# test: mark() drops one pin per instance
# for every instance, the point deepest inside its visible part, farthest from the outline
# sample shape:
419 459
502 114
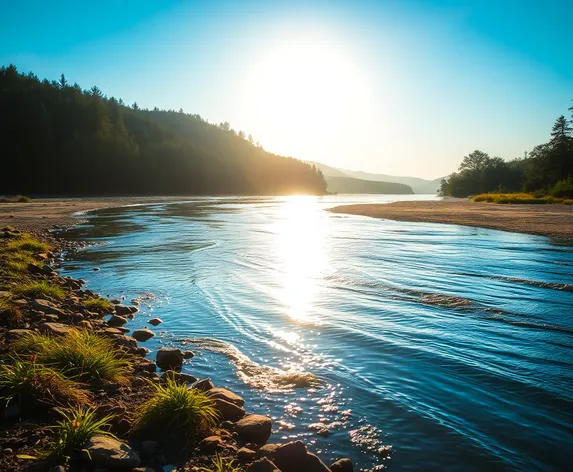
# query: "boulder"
226 395
342 465
125 310
245 454
204 385
169 359
14 334
267 450
126 342
155 321
255 428
109 453
46 307
264 465
188 354
293 457
55 329
211 444
116 321
229 411
143 335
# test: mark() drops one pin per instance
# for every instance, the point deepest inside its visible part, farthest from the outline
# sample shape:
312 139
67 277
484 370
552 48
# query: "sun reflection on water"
302 257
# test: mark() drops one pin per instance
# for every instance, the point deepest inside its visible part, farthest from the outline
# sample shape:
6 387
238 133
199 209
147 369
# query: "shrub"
39 289
28 379
563 188
221 465
98 304
78 426
80 354
23 199
176 410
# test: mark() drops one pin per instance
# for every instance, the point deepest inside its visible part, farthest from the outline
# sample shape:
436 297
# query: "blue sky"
399 87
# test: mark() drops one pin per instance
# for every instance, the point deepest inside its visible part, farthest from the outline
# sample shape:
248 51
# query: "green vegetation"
79 354
98 304
352 185
31 380
547 170
39 289
528 198
27 243
78 426
61 139
18 253
221 465
18 199
177 410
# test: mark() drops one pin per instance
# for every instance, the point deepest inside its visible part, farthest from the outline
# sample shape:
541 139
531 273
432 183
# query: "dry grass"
39 289
99 304
519 198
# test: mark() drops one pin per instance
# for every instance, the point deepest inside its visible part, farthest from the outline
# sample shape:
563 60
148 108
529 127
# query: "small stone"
8 450
143 335
179 377
229 411
342 465
267 450
46 307
226 395
155 321
125 310
169 359
116 320
264 465
188 354
56 329
211 444
245 454
203 385
109 453
256 428
14 334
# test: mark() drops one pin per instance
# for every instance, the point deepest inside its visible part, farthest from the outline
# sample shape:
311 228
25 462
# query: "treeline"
58 139
547 169
352 185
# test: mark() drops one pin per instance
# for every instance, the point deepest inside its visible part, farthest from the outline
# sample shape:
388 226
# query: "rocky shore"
79 392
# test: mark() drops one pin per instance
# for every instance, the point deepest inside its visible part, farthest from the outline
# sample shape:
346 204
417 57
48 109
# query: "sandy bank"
555 221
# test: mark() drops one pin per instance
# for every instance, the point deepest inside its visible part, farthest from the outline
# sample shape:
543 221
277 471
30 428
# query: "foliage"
177 410
98 304
520 198
39 289
78 426
547 169
26 242
221 465
81 354
23 199
59 138
29 379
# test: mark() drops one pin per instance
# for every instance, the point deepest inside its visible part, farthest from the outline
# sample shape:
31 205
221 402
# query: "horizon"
335 83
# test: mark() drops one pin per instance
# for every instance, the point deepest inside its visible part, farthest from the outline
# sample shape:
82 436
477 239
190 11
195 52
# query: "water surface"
428 347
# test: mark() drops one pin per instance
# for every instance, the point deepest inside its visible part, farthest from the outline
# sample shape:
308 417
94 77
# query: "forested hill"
352 185
58 139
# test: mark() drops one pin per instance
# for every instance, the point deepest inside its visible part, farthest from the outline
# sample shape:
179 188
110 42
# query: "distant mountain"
419 186
352 185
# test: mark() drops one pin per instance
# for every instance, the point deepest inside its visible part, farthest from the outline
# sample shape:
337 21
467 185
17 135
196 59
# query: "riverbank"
67 362
555 221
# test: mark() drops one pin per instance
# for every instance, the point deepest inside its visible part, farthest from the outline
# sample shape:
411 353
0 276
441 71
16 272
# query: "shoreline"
553 221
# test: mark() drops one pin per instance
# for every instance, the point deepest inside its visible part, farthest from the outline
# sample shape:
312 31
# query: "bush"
221 465
23 199
176 410
99 304
563 188
78 426
39 289
80 354
30 380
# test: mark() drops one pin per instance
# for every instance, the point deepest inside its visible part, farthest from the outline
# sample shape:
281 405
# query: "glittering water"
403 345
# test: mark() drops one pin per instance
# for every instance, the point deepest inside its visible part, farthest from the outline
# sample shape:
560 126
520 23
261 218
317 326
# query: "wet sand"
555 221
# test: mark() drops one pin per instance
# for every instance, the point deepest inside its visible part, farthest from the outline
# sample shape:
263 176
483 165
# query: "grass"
221 465
26 242
18 253
39 289
29 379
176 410
78 426
80 354
520 198
99 304
23 199
4 303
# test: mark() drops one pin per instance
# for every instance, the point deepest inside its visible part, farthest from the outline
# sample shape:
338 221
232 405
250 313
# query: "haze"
404 88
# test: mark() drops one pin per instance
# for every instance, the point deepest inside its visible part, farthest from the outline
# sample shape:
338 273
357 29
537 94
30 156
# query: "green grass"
29 379
520 198
4 303
177 411
26 242
99 304
39 289
80 354
78 426
221 465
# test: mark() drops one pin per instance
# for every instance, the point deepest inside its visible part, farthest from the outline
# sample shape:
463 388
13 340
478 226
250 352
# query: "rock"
155 321
342 465
169 359
293 457
147 366
59 468
5 294
204 385
267 450
149 448
245 454
109 453
14 334
122 330
226 395
12 410
211 444
256 428
179 377
125 310
52 318
126 342
46 307
56 329
143 335
116 320
85 324
229 411
138 382
144 469
8 450
188 354
264 465
112 332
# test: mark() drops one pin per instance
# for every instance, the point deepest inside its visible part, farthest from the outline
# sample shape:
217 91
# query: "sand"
555 221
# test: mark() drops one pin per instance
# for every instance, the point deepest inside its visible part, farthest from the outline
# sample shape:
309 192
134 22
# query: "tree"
63 81
561 131
135 106
477 161
95 92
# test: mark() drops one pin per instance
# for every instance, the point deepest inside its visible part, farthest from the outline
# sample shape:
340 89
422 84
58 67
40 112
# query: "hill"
352 185
58 139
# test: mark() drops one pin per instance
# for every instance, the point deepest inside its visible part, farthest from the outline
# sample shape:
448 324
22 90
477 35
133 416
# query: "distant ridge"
419 186
352 185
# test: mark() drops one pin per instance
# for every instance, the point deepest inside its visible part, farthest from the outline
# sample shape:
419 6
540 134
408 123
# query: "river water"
414 346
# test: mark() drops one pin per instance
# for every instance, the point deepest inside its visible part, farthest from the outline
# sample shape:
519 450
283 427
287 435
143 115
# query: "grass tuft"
78 426
87 356
39 289
221 465
99 304
520 198
176 410
23 199
26 242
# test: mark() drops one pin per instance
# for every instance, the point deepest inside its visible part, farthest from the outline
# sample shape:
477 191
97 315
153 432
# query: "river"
421 346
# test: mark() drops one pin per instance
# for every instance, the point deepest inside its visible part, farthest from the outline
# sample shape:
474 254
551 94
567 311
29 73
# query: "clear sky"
399 87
